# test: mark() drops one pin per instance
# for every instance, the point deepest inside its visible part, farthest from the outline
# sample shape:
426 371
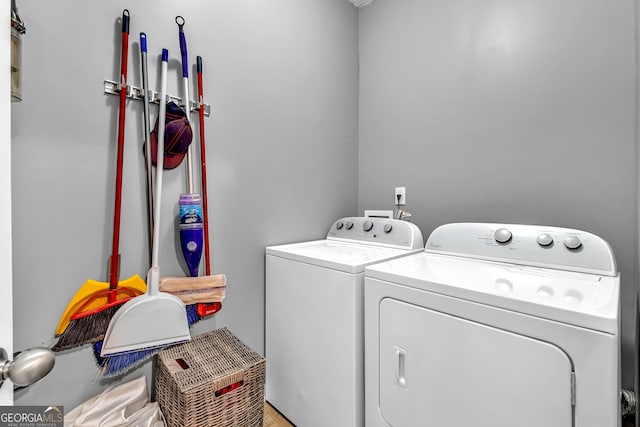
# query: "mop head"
192 290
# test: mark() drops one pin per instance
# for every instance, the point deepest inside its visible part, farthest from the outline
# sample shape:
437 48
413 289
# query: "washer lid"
580 299
337 255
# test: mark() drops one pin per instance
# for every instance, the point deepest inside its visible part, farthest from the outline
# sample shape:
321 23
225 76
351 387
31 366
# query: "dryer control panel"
541 246
382 231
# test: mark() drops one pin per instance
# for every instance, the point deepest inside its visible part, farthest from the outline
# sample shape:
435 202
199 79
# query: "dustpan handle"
153 278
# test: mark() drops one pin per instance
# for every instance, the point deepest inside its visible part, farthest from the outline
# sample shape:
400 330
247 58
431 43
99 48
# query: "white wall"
505 111
282 148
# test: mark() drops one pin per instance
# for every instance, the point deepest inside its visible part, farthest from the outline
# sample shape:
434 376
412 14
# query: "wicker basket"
213 380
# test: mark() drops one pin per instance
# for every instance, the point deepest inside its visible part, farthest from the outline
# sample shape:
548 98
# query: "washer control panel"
552 247
383 231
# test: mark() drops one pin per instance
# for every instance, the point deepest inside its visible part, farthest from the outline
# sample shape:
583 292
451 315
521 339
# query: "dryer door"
445 371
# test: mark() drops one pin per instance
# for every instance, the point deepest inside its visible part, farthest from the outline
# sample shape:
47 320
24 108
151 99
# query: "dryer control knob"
502 235
339 225
388 228
544 239
367 226
572 242
349 225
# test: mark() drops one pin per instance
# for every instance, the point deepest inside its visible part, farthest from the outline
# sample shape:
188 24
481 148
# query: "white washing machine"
495 325
314 318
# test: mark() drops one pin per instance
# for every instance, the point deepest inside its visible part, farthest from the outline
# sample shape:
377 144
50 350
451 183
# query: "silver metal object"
17 30
27 367
627 402
113 88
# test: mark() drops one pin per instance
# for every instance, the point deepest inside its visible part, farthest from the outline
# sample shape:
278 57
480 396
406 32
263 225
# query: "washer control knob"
544 239
387 228
349 225
572 242
367 226
502 235
339 225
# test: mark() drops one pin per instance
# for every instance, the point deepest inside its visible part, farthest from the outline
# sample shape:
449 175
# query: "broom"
87 317
135 331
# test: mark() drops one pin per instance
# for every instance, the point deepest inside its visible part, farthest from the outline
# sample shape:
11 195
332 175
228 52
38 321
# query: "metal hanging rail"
133 92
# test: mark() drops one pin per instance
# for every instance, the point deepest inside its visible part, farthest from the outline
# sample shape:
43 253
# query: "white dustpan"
154 319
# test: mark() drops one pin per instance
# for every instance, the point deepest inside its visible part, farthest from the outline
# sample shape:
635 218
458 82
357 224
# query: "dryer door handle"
401 366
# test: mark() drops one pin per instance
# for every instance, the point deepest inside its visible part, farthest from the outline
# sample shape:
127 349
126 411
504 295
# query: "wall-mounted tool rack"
133 92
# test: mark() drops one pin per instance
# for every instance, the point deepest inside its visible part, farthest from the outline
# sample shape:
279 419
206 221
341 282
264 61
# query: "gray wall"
503 111
282 149
485 111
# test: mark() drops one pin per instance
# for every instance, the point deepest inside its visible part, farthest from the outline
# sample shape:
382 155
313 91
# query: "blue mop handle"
183 46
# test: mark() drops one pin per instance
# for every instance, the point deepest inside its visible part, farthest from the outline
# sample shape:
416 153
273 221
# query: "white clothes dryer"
314 323
495 325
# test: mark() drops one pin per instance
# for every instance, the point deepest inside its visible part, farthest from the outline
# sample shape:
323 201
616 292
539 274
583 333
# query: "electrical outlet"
401 196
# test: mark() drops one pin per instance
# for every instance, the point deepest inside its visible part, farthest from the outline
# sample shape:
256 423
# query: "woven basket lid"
208 358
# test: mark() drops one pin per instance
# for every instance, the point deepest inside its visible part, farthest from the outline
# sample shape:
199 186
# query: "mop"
207 292
191 228
192 220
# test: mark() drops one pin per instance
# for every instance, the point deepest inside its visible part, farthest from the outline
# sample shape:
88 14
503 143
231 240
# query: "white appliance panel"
314 338
587 300
595 355
441 370
314 343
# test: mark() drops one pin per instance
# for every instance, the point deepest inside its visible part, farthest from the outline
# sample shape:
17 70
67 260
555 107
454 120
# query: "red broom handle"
203 164
113 279
204 309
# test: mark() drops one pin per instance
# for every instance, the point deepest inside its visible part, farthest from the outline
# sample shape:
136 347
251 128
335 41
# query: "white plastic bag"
120 405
